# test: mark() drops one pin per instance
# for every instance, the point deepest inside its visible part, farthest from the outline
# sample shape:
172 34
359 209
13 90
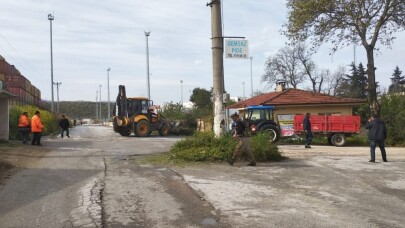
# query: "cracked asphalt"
93 179
87 181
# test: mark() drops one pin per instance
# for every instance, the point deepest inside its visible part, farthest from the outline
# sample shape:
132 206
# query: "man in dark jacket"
64 124
243 142
376 135
308 130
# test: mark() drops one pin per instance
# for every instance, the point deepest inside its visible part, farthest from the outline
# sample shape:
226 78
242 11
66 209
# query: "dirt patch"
15 156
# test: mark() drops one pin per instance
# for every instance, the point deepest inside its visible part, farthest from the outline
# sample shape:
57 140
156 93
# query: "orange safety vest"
23 121
36 125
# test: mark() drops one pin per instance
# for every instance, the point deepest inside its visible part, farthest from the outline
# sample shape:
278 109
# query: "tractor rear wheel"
142 128
272 132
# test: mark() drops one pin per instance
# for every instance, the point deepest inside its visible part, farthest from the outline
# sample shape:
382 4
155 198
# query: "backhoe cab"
137 115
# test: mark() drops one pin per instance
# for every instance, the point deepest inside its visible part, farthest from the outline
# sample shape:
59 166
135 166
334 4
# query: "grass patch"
204 147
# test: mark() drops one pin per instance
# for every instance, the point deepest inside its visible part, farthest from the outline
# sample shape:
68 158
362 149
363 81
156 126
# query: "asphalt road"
325 186
94 179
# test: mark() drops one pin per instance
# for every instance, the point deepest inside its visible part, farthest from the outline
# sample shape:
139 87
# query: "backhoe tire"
338 139
124 132
164 130
142 128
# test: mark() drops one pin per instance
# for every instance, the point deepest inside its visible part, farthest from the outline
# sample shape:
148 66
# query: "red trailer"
337 128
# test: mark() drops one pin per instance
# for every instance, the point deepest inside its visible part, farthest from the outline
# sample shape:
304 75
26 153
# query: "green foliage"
363 111
393 113
397 78
206 147
49 121
82 109
203 105
355 84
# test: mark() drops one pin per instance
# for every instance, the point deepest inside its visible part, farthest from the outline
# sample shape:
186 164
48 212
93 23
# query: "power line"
22 62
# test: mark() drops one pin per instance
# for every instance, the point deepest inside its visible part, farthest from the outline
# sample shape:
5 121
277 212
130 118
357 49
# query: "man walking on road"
243 142
36 129
64 124
376 135
308 130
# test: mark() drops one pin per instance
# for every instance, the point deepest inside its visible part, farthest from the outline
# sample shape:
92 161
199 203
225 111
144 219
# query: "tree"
396 79
343 22
315 76
201 98
354 85
285 66
333 80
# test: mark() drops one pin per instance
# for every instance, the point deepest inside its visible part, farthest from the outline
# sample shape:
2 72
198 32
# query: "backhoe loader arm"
121 102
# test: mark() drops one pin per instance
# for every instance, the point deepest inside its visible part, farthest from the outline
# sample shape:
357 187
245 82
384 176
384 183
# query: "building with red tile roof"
297 101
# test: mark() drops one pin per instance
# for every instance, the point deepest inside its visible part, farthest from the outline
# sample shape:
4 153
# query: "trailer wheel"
164 130
142 128
272 132
338 139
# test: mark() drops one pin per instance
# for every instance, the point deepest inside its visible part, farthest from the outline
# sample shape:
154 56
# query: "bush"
393 113
206 147
48 120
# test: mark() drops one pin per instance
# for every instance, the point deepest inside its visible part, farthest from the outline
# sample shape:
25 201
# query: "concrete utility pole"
96 103
51 18
251 77
57 95
217 63
147 34
100 102
181 89
108 91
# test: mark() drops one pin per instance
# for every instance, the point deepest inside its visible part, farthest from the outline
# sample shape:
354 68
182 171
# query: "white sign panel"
286 123
237 49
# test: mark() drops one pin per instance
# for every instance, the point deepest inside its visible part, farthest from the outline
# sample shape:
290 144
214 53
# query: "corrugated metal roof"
294 97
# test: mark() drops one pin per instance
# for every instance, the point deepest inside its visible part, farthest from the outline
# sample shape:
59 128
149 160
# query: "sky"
91 36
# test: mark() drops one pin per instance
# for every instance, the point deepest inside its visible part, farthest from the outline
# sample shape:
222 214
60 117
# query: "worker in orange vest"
24 127
36 129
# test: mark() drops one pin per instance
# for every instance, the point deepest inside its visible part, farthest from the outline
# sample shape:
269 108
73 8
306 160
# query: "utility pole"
181 89
100 102
108 91
96 103
217 64
243 87
57 95
147 34
51 18
251 77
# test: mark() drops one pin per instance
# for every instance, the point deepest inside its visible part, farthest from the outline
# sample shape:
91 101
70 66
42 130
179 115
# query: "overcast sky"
91 36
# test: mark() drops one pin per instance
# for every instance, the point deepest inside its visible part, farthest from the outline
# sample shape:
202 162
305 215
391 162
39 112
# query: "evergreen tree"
355 84
396 81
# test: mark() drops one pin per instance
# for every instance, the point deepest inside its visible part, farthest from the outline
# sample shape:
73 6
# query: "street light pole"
57 95
181 88
108 91
243 86
251 77
100 102
147 63
51 18
96 104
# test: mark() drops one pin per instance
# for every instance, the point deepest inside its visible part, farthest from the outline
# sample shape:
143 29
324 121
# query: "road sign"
237 49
